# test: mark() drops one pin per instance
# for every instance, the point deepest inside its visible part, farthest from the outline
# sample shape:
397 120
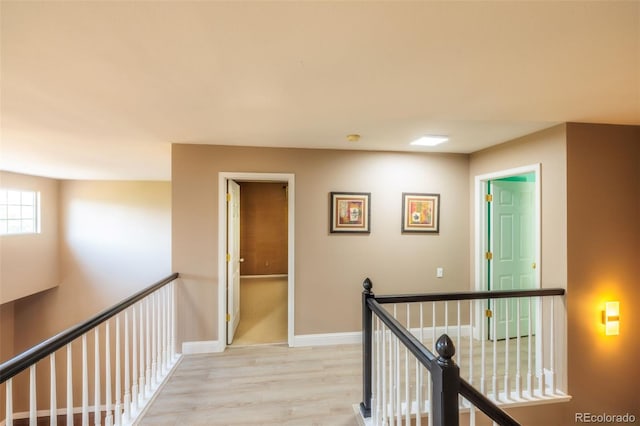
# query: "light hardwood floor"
262 385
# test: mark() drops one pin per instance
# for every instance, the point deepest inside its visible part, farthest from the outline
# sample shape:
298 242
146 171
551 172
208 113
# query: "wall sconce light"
611 318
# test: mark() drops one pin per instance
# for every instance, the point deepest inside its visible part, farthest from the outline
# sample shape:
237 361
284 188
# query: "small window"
19 212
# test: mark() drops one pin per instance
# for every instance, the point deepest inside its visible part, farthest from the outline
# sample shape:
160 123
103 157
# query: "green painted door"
512 244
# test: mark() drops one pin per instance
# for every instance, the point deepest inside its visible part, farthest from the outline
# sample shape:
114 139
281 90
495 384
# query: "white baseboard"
321 339
325 339
202 347
264 276
355 337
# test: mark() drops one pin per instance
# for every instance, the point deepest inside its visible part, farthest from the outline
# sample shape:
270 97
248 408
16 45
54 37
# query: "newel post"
446 383
367 332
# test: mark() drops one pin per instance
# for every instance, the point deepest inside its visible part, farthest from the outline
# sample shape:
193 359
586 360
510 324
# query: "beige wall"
597 252
29 263
115 240
327 267
603 180
263 228
548 148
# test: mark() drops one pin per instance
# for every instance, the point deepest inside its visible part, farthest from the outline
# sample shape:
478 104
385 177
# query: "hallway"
267 385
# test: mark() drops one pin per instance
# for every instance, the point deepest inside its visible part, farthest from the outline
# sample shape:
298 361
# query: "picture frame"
350 212
420 213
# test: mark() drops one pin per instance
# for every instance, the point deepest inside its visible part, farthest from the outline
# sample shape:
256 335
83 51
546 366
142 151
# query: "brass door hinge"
228 317
228 257
488 255
228 197
488 313
488 198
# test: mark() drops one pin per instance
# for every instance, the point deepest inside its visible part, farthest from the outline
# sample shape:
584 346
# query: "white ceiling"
100 90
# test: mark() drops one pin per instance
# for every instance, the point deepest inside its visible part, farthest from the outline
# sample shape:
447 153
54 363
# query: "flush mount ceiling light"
354 137
430 140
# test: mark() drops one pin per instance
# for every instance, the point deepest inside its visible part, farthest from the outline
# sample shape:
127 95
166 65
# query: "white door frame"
223 177
480 218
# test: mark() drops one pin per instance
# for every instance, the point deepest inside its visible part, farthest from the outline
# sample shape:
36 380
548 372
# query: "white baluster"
174 324
494 377
147 384
419 381
127 372
552 354
374 370
458 346
381 396
518 351
33 404
392 379
135 390
398 384
53 403
422 381
170 331
530 353
383 374
154 339
142 385
118 391
540 349
446 318
407 396
483 349
69 386
97 414
433 348
108 419
8 402
471 302
163 330
418 392
433 327
421 319
85 383
159 320
159 338
507 387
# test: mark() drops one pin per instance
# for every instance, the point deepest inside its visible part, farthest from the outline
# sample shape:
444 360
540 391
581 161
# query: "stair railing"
138 353
405 383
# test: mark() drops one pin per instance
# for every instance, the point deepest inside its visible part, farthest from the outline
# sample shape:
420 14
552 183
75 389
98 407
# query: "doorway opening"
263 264
507 239
256 300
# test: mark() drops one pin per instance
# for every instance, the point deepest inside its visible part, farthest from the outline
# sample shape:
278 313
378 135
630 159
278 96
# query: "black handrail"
424 355
445 373
469 295
485 405
24 360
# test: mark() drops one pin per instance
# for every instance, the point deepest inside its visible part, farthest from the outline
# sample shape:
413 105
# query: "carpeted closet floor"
263 311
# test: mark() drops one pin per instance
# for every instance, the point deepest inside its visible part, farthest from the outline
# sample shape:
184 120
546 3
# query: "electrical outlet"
439 272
